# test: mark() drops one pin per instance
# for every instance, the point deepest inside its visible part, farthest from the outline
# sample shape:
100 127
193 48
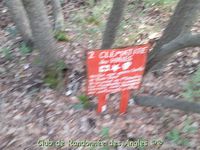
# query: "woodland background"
43 75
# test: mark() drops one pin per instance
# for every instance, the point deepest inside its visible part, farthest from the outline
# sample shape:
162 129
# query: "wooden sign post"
115 70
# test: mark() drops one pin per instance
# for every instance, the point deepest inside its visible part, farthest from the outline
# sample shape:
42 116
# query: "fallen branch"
154 101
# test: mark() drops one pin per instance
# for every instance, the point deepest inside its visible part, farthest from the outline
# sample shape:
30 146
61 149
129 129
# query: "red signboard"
115 70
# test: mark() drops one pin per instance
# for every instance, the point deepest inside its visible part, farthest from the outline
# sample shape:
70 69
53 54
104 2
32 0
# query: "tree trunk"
58 15
176 36
180 23
113 23
20 19
42 32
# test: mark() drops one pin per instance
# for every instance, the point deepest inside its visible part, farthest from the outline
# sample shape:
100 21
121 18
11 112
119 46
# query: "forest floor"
31 111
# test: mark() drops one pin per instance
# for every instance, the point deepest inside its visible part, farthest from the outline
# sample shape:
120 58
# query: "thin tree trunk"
113 23
42 32
20 19
58 15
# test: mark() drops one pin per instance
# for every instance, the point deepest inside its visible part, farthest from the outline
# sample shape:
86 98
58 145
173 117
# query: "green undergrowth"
12 31
192 88
92 20
54 76
89 22
51 78
61 36
6 52
163 3
90 3
105 137
25 49
177 137
84 102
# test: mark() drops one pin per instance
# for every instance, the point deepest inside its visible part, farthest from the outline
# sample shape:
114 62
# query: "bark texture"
113 23
20 19
42 32
58 15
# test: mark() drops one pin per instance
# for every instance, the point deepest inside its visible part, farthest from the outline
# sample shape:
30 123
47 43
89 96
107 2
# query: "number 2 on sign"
90 55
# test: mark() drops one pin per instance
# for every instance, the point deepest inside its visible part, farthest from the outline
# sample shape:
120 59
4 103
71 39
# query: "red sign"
115 70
